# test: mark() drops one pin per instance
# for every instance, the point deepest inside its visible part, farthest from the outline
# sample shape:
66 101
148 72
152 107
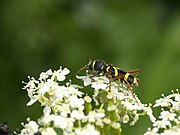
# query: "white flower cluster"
169 119
119 100
69 111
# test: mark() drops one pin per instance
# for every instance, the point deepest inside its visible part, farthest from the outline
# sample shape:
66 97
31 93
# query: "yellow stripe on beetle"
126 76
93 64
115 71
107 69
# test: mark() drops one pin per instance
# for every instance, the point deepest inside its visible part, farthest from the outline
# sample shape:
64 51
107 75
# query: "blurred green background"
36 35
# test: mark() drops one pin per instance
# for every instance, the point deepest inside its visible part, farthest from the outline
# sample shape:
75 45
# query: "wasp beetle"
112 72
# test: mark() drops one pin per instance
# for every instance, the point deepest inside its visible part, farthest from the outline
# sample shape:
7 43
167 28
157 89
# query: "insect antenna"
81 69
84 67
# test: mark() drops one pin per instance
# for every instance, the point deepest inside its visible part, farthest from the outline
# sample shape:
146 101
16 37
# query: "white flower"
76 102
177 97
120 96
171 101
45 119
64 109
31 84
149 112
134 108
30 128
125 118
87 99
47 86
110 96
95 115
45 75
96 82
32 101
74 91
129 106
61 92
92 116
77 114
65 104
161 124
88 130
152 132
163 102
111 108
59 121
47 110
62 122
99 123
44 100
171 132
86 79
135 119
166 115
100 83
168 123
107 121
175 106
116 125
60 74
48 131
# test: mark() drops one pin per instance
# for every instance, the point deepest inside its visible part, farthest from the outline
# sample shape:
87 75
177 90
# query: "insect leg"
129 88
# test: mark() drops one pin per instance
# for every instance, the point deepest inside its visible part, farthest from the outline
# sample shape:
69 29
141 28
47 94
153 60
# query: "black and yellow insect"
100 67
112 72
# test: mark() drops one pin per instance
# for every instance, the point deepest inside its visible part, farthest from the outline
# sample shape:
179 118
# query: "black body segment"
96 65
130 79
